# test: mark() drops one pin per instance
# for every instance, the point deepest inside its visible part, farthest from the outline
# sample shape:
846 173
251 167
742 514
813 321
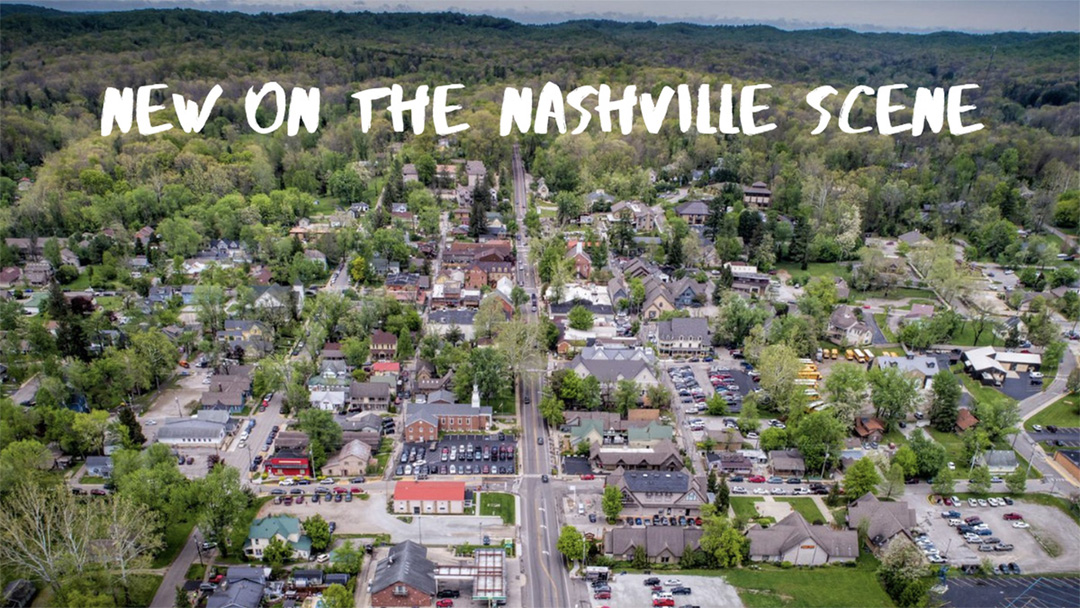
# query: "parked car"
451 593
1013 517
681 591
445 603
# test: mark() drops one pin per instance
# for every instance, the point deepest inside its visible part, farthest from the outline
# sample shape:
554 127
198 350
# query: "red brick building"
423 421
405 578
417 497
289 463
383 345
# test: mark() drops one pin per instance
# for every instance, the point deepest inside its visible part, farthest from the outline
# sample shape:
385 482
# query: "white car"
1035 375
672 582
952 466
1036 427
779 491
751 435
323 558
972 502
760 491
151 422
982 502
286 482
1021 524
738 490
327 481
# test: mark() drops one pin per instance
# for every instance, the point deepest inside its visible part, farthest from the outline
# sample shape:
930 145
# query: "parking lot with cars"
664 590
459 455
970 530
1061 437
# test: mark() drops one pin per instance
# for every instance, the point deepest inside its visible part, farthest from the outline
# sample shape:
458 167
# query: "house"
19 593
750 283
965 420
99 466
283 527
610 371
350 461
10 276
409 173
383 345
991 366
729 463
228 393
694 212
688 293
920 367
664 455
787 463
328 400
434 497
424 421
289 463
368 396
277 297
869 429
598 197
663 544
758 195
38 273
843 292
641 216
242 593
884 520
364 423
208 427
296 441
913 238
579 258
684 336
644 492
919 312
441 321
252 336
405 578
795 541
846 328
1000 462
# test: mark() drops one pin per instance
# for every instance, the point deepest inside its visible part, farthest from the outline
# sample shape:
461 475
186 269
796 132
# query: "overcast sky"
862 15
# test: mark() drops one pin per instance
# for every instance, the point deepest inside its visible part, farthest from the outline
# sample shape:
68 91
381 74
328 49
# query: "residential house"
684 336
293 441
645 492
869 429
252 336
350 461
750 284
1000 462
405 578
610 372
38 273
475 171
846 329
965 419
440 322
328 400
920 367
99 466
424 421
757 195
885 520
919 312
694 212
429 497
642 217
226 392
598 197
289 463
383 345
787 463
662 456
688 293
283 527
913 238
409 173
10 276
795 541
277 297
581 260
729 463
843 292
663 544
368 396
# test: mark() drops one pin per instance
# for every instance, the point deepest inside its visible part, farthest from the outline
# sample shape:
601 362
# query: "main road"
547 584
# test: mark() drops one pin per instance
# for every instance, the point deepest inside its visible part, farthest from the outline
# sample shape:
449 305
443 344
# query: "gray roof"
241 594
369 390
693 208
887 519
655 539
452 317
695 327
239 573
612 371
921 364
776 540
992 458
656 481
407 564
190 428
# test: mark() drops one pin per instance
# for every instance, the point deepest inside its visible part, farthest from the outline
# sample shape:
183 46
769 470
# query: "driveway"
871 322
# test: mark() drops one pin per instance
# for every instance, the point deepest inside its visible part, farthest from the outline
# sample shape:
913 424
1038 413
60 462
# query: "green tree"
626 396
904 575
405 349
658 396
22 461
337 596
723 497
571 543
1016 481
861 479
779 366
551 408
847 389
277 552
131 423
893 394
773 438
929 454
979 483
893 484
908 461
581 318
319 531
612 503
819 436
358 269
641 558
221 501
725 544
944 481
347 558
716 406
946 400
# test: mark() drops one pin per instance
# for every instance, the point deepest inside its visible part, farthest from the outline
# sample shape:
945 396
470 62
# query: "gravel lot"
1048 522
629 590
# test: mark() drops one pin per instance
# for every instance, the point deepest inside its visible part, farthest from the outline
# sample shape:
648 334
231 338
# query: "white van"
581 508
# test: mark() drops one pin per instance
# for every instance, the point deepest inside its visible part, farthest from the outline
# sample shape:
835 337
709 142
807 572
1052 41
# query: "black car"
649 582
736 479
680 591
333 526
338 497
794 480
1051 428
544 478
296 491
314 498
450 593
277 491
357 480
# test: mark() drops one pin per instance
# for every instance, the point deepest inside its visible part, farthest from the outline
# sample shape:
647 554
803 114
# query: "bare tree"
44 533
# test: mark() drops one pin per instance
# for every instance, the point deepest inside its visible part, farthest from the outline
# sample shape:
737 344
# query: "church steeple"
475 397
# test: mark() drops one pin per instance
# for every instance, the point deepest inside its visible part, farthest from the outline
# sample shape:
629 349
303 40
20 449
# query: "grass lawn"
984 394
966 337
504 404
110 303
954 449
744 506
882 323
835 586
830 269
894 436
898 293
805 506
498 503
175 535
1064 412
91 479
1022 462
81 283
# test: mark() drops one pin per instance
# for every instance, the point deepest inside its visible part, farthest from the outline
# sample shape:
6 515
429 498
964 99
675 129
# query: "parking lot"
1018 385
1068 437
464 455
630 590
1045 522
1002 591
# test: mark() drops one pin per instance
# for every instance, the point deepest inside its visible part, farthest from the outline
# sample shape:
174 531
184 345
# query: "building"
284 527
965 419
729 463
328 400
846 329
429 497
795 541
664 455
787 463
644 492
750 283
350 461
913 238
424 421
683 336
368 396
208 427
663 544
1070 461
610 371
999 462
694 212
920 367
991 366
884 520
405 578
869 429
757 195
289 463
641 216
383 345
99 466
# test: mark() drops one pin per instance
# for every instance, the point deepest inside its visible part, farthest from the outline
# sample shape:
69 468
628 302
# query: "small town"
404 370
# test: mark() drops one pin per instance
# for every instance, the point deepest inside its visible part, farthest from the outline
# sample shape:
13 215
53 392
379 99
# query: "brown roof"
886 519
774 541
643 414
965 419
864 427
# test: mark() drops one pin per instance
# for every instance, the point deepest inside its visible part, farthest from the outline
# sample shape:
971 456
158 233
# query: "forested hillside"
56 67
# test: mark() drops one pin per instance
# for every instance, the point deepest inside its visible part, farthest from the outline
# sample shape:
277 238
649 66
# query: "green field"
817 269
954 449
882 323
175 535
898 293
966 336
833 586
497 503
1064 412
806 507
743 506
984 394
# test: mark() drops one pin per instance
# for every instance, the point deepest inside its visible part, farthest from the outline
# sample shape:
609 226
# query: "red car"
756 479
339 490
588 477
664 601
217 578
602 595
445 603
355 490
1014 516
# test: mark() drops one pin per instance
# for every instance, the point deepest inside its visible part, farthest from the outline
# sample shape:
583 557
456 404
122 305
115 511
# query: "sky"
978 16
